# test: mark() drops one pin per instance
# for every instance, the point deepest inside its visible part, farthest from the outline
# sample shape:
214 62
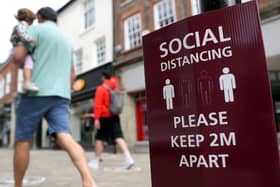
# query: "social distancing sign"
210 111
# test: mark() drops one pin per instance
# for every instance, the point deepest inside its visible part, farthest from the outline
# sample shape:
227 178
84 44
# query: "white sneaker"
29 86
94 164
129 164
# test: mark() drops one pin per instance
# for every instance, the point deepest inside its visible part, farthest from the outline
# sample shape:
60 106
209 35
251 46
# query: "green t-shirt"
52 56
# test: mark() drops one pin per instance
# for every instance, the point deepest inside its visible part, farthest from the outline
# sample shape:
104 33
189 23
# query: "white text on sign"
194 41
192 141
192 120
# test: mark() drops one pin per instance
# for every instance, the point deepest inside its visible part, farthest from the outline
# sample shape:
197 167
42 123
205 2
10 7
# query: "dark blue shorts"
31 109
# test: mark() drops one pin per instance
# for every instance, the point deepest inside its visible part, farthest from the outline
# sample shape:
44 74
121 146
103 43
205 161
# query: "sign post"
210 111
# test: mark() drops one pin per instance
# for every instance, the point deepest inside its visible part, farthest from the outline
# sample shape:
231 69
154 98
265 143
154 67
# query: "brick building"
132 20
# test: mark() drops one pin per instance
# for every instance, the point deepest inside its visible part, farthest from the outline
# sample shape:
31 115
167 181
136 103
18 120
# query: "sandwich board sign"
210 111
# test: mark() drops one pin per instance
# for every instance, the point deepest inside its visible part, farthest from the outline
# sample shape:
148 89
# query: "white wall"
133 77
71 21
271 36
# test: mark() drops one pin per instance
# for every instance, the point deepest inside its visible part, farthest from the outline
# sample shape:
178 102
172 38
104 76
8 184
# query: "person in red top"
107 125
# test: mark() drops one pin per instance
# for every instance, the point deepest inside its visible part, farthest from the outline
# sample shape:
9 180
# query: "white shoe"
29 86
129 164
94 164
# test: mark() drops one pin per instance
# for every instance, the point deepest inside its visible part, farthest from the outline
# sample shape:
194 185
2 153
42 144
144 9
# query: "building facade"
91 34
132 20
107 35
90 31
270 14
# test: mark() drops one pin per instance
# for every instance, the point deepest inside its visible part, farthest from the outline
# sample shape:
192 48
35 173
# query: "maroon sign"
210 111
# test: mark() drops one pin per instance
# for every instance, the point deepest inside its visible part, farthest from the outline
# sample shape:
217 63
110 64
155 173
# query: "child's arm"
22 33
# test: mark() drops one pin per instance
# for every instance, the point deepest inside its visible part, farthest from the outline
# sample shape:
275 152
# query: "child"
18 37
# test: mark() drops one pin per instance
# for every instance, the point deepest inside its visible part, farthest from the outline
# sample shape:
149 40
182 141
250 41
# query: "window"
100 50
164 13
231 2
196 7
8 83
89 13
78 60
20 81
2 82
132 28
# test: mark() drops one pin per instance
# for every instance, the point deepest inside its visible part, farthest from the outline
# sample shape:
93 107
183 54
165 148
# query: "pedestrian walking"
107 124
52 73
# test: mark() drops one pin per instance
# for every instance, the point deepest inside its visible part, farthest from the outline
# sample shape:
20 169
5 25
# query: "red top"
102 98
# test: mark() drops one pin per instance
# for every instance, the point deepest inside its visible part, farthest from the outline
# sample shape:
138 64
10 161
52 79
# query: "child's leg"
27 71
27 75
28 65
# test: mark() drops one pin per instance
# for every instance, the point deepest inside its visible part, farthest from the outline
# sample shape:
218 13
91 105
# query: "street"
53 168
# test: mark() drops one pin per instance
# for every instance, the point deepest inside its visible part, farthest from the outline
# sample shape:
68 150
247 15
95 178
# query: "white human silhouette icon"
227 84
168 94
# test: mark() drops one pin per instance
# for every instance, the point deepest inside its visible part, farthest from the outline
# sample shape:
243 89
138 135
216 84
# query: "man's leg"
98 148
26 123
94 163
126 152
77 155
118 135
122 144
21 161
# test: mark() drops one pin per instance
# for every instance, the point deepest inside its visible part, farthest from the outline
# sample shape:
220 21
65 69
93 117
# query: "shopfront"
82 102
133 117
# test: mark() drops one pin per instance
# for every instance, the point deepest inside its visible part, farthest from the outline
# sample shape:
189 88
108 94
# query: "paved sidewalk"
53 168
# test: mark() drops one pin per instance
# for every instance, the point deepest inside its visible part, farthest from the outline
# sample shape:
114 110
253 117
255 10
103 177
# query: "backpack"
116 100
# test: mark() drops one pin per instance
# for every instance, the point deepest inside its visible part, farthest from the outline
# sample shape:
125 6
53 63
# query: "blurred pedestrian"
107 124
52 73
19 35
